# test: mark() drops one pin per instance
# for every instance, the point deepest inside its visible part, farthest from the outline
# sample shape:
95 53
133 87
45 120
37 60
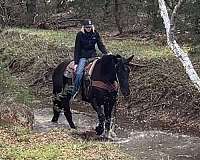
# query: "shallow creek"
144 145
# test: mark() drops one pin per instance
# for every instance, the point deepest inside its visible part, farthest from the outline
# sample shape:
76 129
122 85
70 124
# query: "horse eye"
127 69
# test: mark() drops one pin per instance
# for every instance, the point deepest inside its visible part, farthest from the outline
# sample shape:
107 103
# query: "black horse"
109 72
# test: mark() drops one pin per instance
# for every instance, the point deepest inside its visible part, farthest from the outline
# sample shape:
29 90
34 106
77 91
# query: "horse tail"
58 77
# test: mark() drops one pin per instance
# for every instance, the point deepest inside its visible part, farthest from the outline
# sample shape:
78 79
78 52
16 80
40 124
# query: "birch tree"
180 54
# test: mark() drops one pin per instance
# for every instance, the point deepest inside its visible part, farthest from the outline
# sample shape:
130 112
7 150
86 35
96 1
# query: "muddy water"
145 145
43 122
155 145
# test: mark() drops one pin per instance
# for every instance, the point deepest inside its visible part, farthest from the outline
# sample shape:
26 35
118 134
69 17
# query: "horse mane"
106 64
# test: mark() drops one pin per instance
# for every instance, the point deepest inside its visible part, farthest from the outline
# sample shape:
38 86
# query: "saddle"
86 81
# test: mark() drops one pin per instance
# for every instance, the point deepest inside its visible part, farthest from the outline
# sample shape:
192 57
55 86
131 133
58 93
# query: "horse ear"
130 59
117 58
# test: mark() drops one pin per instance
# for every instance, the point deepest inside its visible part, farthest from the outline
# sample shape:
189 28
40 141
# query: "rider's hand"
75 67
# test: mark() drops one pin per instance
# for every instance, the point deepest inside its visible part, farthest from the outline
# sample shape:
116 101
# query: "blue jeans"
79 74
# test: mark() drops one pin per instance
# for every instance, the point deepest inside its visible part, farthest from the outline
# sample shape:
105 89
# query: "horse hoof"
99 130
54 121
73 126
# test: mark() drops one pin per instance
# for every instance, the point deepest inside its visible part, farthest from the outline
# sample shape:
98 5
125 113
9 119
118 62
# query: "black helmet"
87 23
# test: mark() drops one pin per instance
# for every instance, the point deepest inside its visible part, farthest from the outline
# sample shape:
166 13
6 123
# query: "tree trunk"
117 16
106 9
180 54
31 11
2 14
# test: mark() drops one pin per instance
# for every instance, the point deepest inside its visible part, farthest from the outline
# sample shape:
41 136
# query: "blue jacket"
85 45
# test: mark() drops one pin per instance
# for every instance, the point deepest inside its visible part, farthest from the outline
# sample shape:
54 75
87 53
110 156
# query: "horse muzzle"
125 93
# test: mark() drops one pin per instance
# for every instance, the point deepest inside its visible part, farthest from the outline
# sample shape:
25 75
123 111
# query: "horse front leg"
108 112
100 127
108 108
67 111
101 117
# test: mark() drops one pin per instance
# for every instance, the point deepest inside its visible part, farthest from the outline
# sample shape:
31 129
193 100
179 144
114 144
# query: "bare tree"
2 14
117 16
31 11
180 54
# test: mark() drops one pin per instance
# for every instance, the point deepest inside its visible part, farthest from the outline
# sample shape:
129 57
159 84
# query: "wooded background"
124 16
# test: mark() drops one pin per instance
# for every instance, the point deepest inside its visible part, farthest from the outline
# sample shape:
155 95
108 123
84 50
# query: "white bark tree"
180 54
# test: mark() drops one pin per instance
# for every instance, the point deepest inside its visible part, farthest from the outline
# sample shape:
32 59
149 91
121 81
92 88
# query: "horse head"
122 71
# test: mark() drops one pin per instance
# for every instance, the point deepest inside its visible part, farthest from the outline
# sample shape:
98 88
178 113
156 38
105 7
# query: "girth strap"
109 87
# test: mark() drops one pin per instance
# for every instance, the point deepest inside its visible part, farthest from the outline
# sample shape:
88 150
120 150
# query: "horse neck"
105 73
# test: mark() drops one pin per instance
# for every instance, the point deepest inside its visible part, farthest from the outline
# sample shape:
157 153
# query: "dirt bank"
162 97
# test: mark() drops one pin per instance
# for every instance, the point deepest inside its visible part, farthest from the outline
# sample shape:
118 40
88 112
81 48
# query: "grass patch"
70 151
37 42
36 152
141 49
40 37
56 145
34 42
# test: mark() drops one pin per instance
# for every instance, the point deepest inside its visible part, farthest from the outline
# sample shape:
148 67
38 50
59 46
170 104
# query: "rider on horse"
85 43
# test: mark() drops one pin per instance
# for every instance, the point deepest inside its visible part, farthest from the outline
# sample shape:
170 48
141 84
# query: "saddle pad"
69 71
